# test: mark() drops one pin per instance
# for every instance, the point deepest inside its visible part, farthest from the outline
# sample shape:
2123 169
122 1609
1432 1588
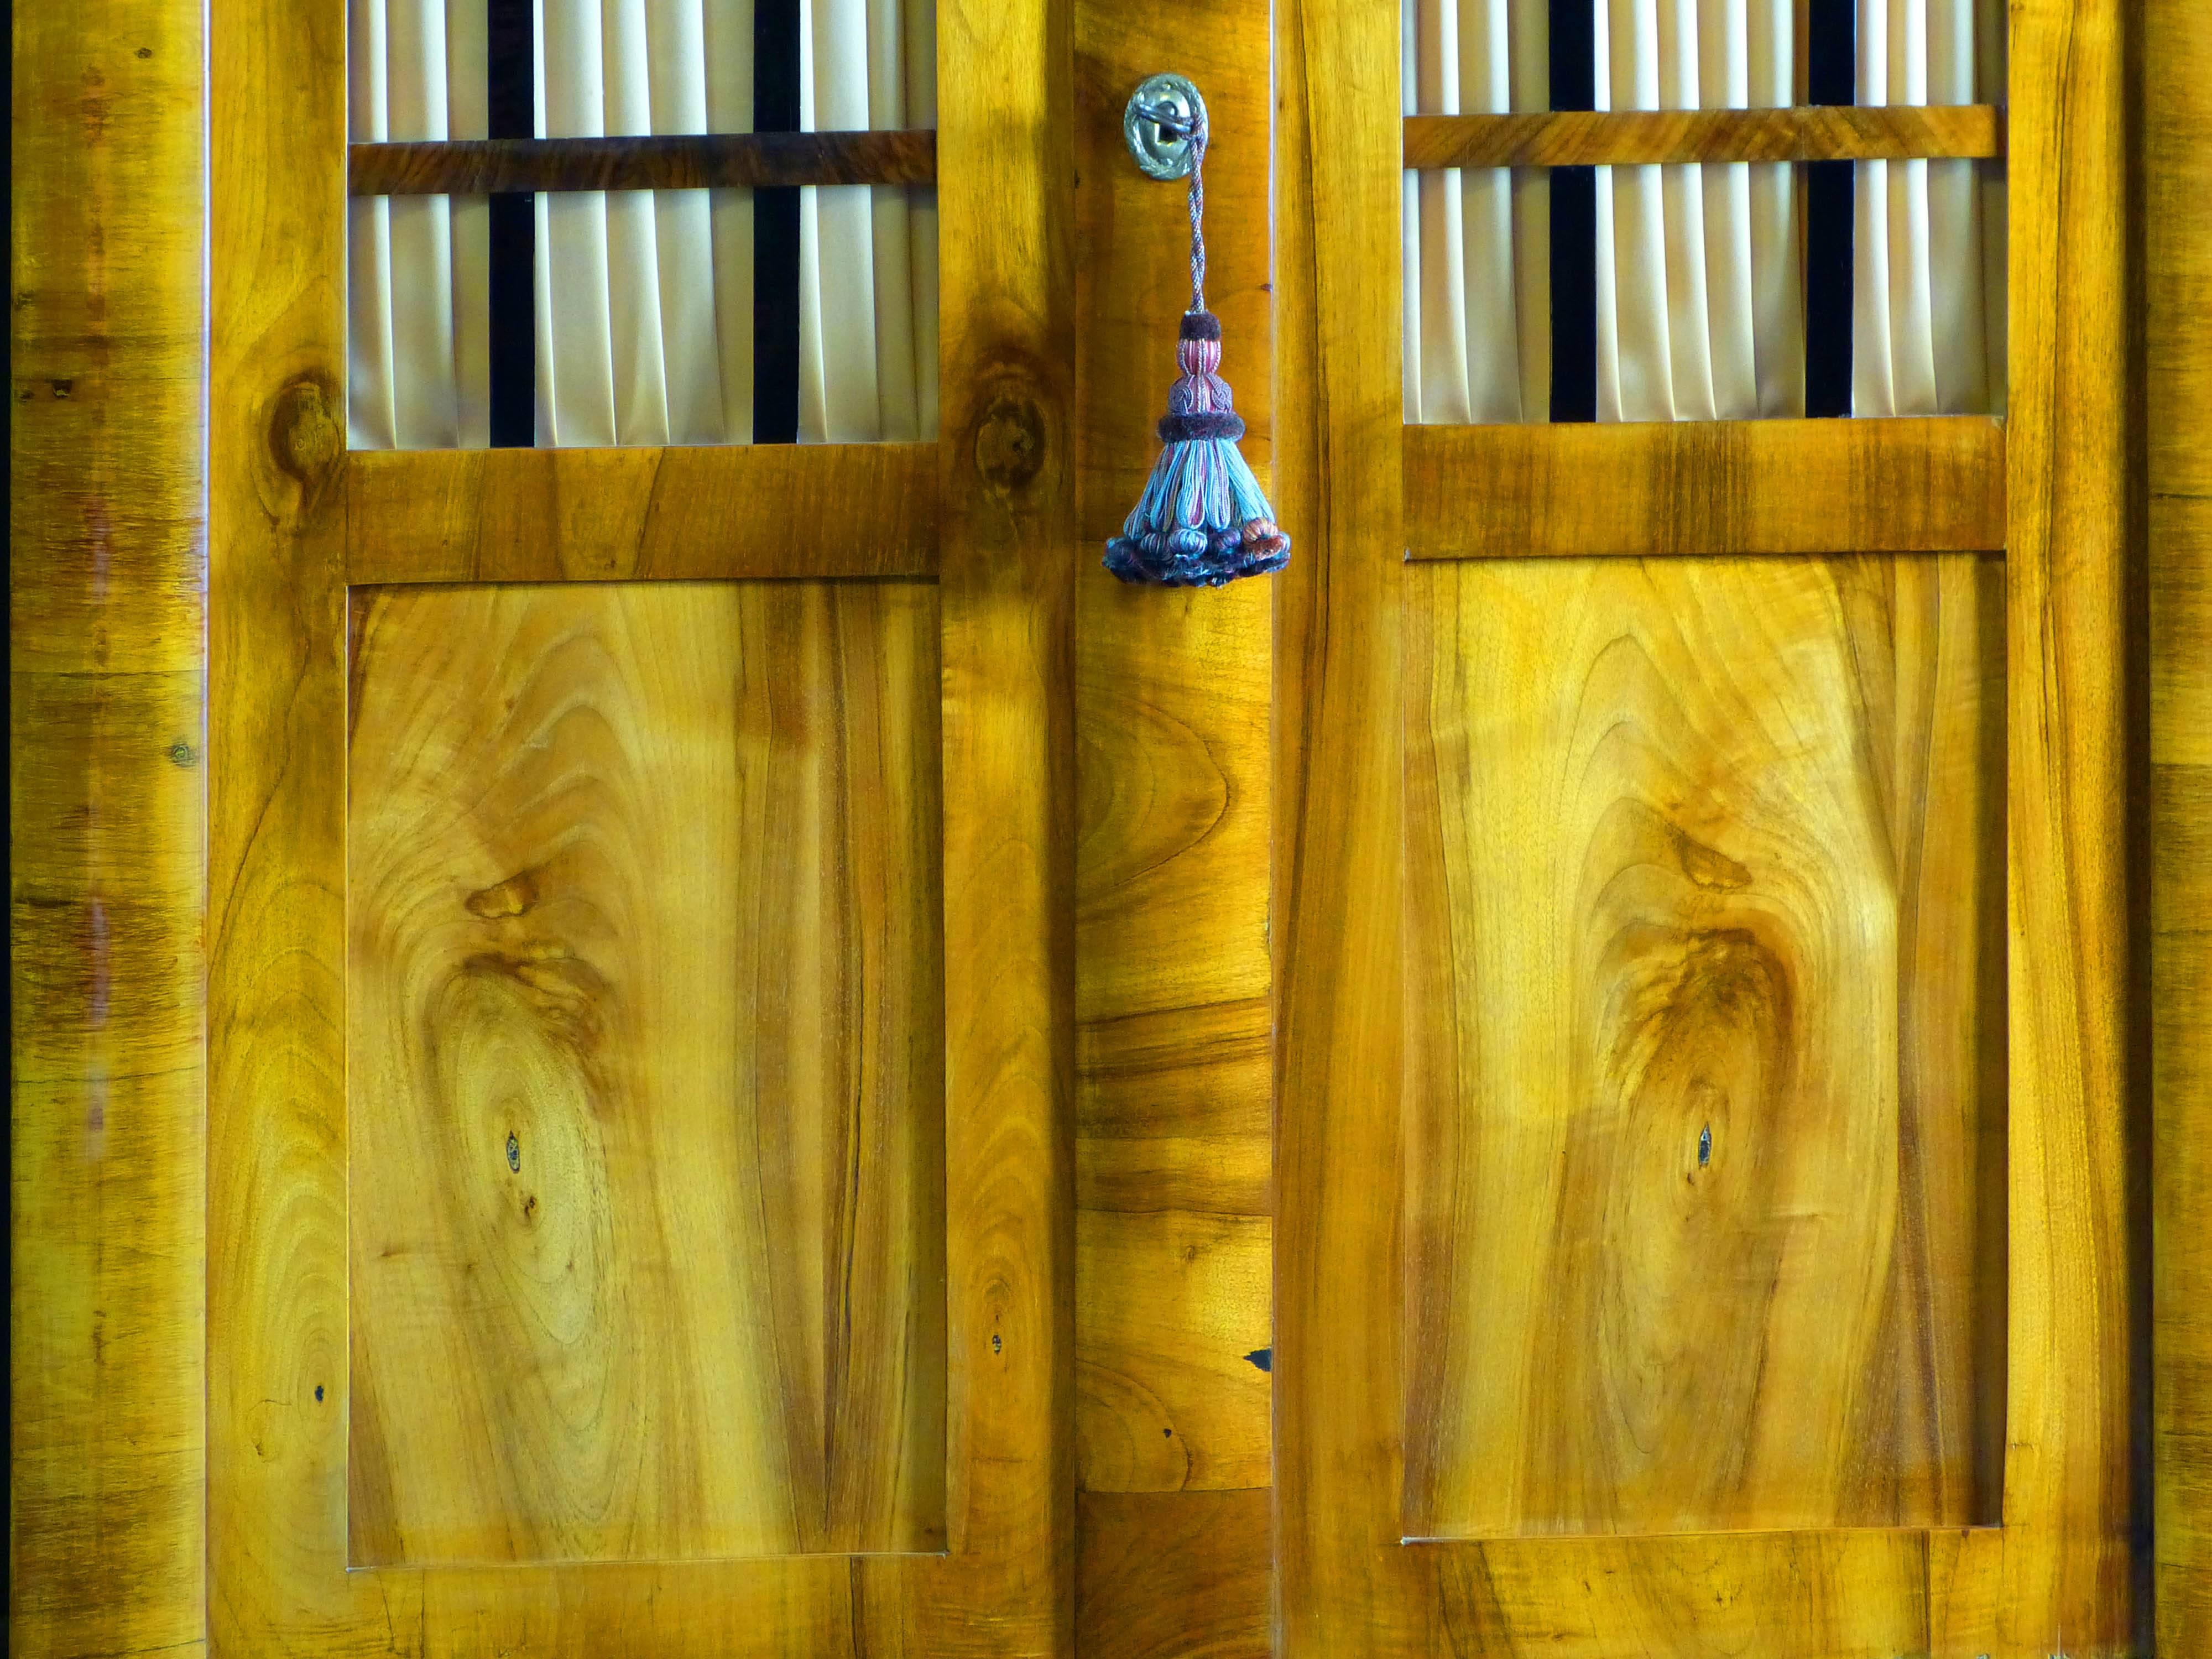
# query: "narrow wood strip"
622 514
743 160
1171 1575
1567 138
1927 485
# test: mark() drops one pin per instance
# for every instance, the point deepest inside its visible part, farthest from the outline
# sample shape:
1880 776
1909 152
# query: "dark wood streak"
739 161
1566 138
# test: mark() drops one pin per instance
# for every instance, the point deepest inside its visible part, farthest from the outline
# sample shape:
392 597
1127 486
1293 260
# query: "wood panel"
1172 785
277 1131
628 514
1911 485
1185 1575
2177 252
1705 1153
1570 138
2063 1575
107 760
647 1160
727 160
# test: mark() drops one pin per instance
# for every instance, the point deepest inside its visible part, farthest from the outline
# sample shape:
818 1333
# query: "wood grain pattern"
1932 485
1185 1575
1175 1309
2177 257
1573 138
647 1160
739 161
106 877
278 1130
630 514
1174 1148
1706 1140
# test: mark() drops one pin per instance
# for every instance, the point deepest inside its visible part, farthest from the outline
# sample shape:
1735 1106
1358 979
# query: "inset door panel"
1705 925
646 1072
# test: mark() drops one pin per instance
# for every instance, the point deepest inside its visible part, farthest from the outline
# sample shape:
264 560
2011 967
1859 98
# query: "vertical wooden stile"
107 888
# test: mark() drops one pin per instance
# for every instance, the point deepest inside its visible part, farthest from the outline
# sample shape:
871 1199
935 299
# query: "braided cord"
1198 215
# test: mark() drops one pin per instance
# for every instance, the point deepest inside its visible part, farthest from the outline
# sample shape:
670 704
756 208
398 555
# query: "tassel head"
1202 521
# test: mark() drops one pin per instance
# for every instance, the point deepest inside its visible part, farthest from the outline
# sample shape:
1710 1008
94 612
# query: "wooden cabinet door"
639 1207
1707 1221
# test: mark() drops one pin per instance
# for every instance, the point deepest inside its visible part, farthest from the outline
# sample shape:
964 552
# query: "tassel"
1203 521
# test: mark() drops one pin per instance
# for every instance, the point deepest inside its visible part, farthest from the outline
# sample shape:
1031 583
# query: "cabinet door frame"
2068 1565
295 518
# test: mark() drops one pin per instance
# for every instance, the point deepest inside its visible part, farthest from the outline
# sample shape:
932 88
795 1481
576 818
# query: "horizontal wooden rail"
1928 485
1571 138
678 513
740 161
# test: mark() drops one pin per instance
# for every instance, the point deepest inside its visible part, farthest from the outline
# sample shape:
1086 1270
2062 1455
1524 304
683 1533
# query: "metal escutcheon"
1159 153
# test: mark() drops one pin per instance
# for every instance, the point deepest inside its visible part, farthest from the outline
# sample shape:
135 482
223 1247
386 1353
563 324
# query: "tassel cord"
1164 116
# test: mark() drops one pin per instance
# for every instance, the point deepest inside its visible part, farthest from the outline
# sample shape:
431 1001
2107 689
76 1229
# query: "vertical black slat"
511 100
1831 78
775 230
1574 224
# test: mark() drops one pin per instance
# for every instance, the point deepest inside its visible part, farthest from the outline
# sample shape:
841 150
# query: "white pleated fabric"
418 330
1478 342
644 299
1699 271
1927 307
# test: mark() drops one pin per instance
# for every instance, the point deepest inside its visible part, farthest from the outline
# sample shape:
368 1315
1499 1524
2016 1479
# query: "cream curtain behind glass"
644 299
1477 240
419 333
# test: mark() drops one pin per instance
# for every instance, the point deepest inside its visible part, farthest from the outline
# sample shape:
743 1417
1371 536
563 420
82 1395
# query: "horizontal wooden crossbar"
1932 485
1566 138
741 161
681 513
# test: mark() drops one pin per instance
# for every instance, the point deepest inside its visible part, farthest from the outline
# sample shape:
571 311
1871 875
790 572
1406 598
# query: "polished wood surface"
740 161
646 1095
1704 1139
1172 788
2178 255
622 514
1911 485
1571 138
107 760
278 1126
1174 1575
2062 1573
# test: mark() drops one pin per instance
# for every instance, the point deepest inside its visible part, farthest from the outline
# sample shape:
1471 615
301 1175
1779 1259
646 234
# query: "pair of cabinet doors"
766 1027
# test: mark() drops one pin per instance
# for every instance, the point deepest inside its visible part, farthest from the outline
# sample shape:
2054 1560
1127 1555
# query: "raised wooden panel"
1705 1158
646 1021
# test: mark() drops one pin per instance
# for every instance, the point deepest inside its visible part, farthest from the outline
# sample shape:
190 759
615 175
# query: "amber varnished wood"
1705 1172
1180 1575
106 874
2177 250
1706 486
631 515
1571 138
646 1189
728 161
280 1339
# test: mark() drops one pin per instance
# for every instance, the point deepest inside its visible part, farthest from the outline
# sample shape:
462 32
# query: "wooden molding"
1706 486
633 514
740 161
1567 138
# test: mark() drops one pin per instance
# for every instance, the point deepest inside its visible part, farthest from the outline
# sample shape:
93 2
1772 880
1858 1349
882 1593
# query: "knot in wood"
306 430
1010 441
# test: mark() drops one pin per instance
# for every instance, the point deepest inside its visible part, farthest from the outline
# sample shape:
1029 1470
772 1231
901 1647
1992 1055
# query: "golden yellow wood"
1559 139
278 1132
1706 486
462 515
646 1086
2177 254
1177 1575
1705 1118
106 892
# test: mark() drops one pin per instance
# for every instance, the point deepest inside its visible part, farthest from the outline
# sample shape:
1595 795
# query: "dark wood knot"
1009 443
